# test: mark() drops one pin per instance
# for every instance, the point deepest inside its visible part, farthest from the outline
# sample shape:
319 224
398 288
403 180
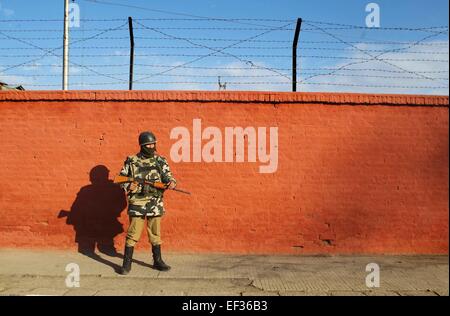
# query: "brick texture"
357 173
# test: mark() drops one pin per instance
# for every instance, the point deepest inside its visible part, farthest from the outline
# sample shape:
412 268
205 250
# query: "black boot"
127 258
158 262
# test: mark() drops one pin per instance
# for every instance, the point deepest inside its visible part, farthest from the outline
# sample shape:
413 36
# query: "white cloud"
16 80
418 70
421 63
31 66
236 76
6 11
425 68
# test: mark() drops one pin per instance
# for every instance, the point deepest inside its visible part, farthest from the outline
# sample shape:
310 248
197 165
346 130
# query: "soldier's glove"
171 185
133 186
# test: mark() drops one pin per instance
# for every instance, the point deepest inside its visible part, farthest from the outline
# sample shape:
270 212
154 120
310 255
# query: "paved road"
31 272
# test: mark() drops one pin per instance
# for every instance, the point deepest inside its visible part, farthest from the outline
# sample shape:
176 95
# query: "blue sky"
169 34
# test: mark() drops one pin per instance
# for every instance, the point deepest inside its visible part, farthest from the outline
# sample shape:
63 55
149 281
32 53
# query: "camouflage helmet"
146 138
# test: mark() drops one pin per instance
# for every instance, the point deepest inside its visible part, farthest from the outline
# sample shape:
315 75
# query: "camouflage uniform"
146 201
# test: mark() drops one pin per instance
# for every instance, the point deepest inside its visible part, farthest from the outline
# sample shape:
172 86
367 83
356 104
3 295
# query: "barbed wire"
237 68
206 29
341 25
334 59
221 50
207 55
350 26
250 41
239 48
59 30
141 8
237 56
225 75
365 75
142 28
376 57
52 52
250 83
150 19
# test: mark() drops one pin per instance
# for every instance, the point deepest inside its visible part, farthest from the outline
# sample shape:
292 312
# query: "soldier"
144 201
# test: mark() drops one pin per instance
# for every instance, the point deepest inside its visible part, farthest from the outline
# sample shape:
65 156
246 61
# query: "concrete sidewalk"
31 272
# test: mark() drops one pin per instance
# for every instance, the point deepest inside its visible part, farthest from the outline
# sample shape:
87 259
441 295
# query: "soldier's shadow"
95 217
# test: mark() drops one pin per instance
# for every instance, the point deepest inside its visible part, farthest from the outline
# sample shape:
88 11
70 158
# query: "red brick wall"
356 173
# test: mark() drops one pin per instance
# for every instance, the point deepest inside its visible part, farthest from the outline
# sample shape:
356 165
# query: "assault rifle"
155 184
